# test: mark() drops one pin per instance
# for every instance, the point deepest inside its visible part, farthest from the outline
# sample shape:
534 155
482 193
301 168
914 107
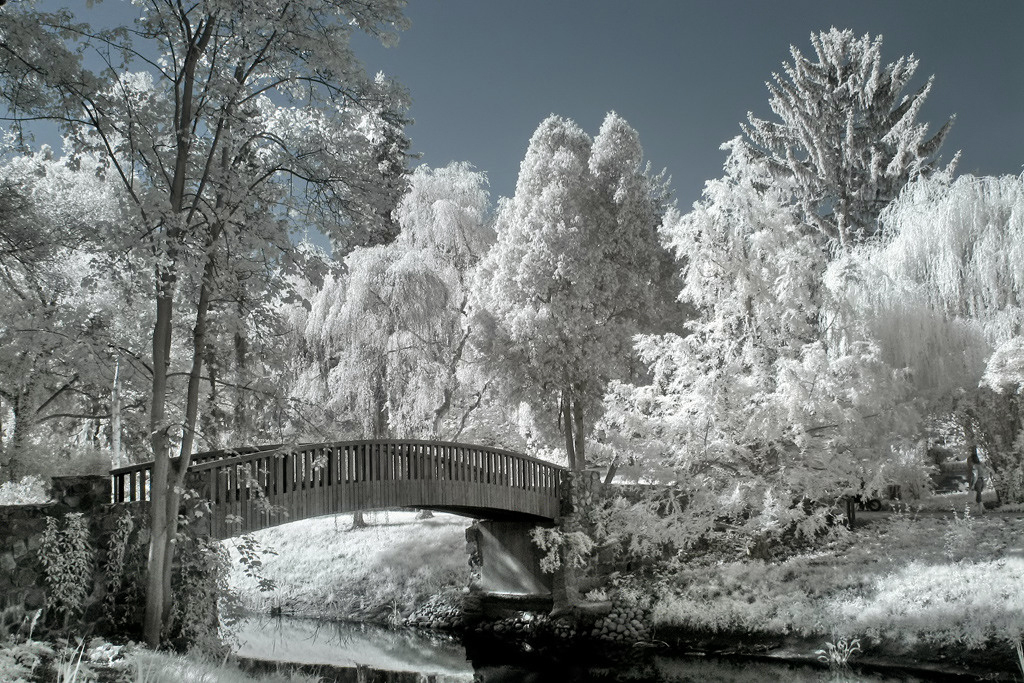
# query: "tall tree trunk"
160 443
180 469
14 446
211 418
3 455
240 416
162 495
115 418
579 434
19 437
570 442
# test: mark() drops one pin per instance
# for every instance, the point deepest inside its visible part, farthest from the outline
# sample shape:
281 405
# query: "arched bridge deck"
255 488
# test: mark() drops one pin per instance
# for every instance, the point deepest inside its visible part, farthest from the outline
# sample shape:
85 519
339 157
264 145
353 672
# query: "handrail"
298 448
209 456
198 458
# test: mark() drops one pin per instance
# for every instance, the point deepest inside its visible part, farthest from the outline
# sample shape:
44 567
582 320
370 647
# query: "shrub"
68 558
960 539
29 490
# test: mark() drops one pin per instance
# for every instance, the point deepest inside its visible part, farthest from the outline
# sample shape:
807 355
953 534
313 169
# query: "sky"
483 74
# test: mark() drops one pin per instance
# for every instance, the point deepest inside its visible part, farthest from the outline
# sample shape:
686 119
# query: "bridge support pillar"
508 559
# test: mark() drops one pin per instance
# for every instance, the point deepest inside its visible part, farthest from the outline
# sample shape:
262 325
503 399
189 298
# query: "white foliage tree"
570 279
219 119
846 138
389 335
763 403
943 293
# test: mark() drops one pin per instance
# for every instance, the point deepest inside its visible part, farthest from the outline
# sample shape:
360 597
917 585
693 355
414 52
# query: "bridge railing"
131 483
322 478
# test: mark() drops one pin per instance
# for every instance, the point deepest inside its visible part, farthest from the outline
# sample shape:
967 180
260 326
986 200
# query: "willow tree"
388 337
224 122
943 293
570 279
846 137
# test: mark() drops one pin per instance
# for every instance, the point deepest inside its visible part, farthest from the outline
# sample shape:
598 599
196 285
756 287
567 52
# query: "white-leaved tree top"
846 136
388 336
569 281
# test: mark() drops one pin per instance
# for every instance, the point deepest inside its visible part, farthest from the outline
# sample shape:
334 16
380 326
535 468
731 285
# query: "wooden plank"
322 479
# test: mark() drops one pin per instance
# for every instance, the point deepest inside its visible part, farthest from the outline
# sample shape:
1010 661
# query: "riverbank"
930 590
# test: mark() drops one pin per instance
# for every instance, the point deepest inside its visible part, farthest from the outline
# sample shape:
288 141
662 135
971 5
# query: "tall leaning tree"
226 123
570 279
845 135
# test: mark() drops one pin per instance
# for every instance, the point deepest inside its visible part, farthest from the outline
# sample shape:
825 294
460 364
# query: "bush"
29 490
907 469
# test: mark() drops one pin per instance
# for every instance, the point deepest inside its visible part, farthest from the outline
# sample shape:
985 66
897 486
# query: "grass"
929 580
31 661
943 502
388 568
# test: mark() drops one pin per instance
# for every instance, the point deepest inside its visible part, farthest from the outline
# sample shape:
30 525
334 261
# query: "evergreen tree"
845 138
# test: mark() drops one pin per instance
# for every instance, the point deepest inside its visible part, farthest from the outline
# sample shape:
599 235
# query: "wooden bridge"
255 488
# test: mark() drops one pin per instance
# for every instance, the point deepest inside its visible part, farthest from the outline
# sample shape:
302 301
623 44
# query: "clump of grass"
959 540
837 655
71 666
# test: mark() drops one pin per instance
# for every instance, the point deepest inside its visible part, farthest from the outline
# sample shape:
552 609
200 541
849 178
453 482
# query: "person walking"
976 476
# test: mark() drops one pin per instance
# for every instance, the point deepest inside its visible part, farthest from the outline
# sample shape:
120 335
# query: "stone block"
35 599
35 541
19 548
26 577
7 563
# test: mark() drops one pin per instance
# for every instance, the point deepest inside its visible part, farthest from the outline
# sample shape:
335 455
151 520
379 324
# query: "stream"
344 651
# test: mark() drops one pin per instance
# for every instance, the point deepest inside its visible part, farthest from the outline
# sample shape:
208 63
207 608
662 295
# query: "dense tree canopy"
758 403
66 320
569 280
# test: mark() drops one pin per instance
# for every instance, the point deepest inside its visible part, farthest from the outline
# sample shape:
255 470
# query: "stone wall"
22 578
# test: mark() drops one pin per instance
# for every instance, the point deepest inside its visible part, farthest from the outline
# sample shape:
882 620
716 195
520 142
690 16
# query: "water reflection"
342 648
341 644
672 670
